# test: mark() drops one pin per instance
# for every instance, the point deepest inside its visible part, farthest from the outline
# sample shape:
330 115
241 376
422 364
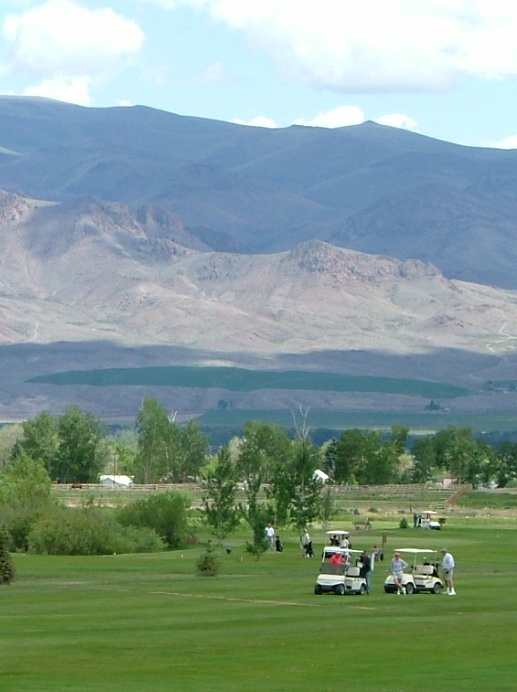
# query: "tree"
352 453
25 484
80 435
257 515
306 487
117 452
165 512
158 442
424 459
219 498
263 446
7 569
10 435
25 493
506 466
41 442
194 447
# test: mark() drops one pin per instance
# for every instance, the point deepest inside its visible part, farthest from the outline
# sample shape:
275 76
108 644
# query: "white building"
115 481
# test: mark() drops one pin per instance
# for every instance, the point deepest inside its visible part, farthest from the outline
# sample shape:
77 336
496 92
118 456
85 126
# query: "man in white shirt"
448 571
270 535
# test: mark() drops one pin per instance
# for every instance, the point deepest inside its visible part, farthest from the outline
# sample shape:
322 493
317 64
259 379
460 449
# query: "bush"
19 528
7 569
165 512
403 524
208 564
89 531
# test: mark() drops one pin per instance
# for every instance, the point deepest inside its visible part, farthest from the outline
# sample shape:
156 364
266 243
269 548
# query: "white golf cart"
423 575
429 520
338 538
340 578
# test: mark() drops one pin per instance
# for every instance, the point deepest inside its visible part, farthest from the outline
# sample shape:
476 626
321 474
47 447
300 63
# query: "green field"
425 422
146 623
239 379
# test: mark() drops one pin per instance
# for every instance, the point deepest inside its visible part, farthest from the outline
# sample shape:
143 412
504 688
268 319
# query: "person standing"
448 566
270 535
398 565
365 569
306 543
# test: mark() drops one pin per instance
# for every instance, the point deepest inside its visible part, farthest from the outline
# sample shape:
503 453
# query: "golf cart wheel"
410 589
437 587
362 590
317 589
340 590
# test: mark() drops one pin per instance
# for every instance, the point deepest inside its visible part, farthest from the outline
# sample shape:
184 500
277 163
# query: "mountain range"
148 230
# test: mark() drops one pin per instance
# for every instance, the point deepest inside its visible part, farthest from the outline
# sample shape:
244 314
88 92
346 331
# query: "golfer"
398 565
448 565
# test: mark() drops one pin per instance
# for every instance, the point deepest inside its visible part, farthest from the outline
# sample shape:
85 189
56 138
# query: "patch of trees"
263 475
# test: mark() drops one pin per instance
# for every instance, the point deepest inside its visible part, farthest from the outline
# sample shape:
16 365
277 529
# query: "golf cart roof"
415 551
338 532
333 549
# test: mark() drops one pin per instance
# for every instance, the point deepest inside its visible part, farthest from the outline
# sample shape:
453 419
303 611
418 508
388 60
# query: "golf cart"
338 537
423 575
428 520
339 578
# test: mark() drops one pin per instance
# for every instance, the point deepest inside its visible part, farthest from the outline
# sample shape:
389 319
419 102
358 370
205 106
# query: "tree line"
75 448
263 475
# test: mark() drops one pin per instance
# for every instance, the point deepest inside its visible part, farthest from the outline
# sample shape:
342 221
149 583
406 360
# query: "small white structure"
321 475
115 481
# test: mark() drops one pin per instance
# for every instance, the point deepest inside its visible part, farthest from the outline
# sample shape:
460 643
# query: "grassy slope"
138 623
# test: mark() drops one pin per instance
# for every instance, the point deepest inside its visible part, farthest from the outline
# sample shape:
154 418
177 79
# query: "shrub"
208 565
89 531
7 569
165 512
19 528
403 523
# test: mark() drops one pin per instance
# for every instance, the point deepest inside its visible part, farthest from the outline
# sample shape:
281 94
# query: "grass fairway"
146 623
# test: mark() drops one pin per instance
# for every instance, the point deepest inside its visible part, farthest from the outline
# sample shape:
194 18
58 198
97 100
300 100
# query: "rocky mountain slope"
88 271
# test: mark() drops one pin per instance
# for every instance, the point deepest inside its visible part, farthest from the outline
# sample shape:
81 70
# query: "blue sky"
443 68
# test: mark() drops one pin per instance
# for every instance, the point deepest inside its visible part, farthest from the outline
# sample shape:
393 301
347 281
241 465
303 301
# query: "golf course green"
149 623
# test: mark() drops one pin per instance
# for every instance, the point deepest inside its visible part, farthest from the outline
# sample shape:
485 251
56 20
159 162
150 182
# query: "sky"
442 68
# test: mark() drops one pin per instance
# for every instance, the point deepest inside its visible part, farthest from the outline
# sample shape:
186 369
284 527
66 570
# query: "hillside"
85 271
133 237
233 188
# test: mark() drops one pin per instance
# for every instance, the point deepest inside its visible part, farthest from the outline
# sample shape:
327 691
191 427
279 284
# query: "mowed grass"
147 623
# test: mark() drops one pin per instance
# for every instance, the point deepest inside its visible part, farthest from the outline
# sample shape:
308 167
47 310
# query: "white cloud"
71 89
337 117
258 121
389 46
68 46
509 142
405 122
212 74
342 116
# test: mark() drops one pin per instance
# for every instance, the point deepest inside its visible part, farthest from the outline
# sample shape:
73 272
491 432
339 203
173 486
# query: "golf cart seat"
426 570
331 568
353 572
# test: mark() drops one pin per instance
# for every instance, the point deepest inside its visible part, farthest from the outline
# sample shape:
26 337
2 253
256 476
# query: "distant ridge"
240 189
